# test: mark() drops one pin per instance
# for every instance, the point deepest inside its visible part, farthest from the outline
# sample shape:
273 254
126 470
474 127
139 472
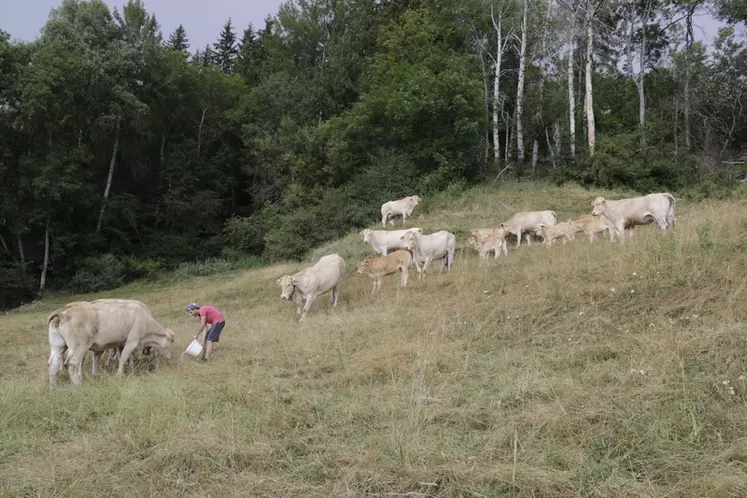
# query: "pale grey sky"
203 20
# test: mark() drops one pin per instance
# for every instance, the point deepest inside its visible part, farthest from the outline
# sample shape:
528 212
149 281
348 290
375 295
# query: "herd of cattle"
123 327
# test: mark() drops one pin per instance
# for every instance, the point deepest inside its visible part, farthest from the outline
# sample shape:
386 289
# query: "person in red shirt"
208 315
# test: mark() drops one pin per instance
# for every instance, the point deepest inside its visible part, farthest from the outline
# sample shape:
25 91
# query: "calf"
378 268
565 230
592 225
485 245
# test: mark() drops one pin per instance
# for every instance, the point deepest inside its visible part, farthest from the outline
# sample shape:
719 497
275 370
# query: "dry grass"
525 377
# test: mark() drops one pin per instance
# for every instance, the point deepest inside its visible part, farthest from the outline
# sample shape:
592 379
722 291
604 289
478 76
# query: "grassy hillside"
576 370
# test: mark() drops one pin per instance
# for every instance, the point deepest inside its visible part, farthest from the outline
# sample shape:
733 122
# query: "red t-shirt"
213 314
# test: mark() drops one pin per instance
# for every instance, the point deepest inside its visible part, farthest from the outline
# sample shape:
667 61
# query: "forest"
126 152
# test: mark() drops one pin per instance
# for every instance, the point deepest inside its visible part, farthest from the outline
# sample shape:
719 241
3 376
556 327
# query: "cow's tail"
670 211
57 346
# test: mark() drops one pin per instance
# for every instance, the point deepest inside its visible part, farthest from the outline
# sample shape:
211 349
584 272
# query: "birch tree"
520 90
501 42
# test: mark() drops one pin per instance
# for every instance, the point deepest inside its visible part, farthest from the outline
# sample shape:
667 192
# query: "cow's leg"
309 300
403 276
662 223
55 365
384 251
426 264
127 351
75 364
336 293
373 287
383 219
95 361
299 304
528 238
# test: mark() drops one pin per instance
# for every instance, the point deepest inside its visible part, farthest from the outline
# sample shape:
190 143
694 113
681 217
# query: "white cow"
402 207
383 241
528 221
428 248
312 282
626 213
99 326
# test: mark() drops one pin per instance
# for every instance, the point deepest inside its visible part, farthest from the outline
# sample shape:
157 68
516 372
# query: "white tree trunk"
21 253
497 100
538 115
641 74
112 165
590 125
571 95
43 280
4 244
520 93
550 148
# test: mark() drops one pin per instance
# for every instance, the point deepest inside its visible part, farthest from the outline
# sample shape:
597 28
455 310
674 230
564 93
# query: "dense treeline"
123 153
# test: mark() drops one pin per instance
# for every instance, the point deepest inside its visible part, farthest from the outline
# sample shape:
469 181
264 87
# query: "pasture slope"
576 370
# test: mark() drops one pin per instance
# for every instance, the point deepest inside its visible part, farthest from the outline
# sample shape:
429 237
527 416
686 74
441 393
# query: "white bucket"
194 348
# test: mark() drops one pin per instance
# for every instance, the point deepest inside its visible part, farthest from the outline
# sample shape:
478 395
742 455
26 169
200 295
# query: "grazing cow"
428 248
309 283
592 225
402 207
528 221
378 268
490 243
626 213
99 326
565 230
384 240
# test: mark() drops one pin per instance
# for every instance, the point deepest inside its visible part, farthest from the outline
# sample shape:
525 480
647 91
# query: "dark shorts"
214 333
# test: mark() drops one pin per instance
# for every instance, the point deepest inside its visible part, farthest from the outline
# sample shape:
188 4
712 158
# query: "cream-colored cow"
624 214
482 233
428 248
591 225
378 268
99 326
314 281
528 221
487 244
383 241
401 207
565 230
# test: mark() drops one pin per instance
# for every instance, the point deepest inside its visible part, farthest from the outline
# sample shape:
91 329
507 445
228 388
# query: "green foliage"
296 134
99 273
16 285
214 266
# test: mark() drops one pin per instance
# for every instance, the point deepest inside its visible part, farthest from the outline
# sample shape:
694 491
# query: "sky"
203 20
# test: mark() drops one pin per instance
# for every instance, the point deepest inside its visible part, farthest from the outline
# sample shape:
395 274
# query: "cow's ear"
278 281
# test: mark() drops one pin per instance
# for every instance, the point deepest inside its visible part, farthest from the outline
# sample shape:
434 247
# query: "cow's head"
410 238
599 206
414 199
367 235
287 287
362 267
472 241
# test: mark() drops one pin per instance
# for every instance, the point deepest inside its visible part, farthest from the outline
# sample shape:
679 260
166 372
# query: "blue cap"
192 306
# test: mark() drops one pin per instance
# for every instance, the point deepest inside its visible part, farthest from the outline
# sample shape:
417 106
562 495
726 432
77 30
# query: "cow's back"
323 276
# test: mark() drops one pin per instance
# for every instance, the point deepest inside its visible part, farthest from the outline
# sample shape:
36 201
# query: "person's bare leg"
208 349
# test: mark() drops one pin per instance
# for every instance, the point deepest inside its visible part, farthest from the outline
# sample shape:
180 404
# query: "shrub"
213 266
99 273
16 286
